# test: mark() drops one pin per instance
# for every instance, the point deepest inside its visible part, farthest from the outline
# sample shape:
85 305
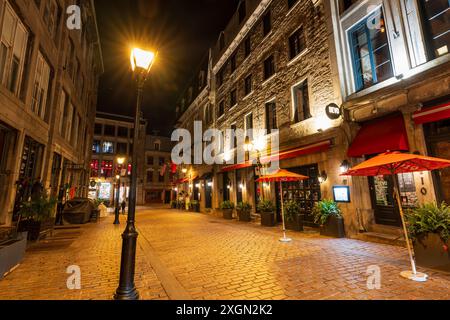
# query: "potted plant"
195 206
243 210
227 209
429 227
292 217
37 217
267 211
329 216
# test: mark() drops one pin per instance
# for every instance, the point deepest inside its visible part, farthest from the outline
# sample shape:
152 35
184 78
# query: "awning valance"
284 155
380 135
432 114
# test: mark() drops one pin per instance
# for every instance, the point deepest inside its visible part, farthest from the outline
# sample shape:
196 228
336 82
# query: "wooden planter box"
227 214
244 216
36 229
296 224
334 227
12 253
430 253
268 219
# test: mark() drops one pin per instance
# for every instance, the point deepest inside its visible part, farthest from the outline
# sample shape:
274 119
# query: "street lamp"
141 63
120 161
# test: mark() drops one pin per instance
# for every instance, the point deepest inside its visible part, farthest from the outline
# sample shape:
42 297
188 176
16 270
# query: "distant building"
113 138
48 95
157 183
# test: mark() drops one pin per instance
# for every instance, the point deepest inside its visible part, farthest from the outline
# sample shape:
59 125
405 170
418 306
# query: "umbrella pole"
412 275
284 239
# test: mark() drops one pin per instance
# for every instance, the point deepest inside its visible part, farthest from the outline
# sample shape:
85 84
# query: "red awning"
380 135
289 154
433 114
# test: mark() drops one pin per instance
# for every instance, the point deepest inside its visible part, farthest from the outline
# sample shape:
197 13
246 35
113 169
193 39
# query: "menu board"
341 194
104 192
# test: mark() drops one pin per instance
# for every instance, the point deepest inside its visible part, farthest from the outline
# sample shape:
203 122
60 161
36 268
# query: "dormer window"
242 11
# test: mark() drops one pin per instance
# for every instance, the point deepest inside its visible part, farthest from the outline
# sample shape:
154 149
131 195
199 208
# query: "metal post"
117 220
127 288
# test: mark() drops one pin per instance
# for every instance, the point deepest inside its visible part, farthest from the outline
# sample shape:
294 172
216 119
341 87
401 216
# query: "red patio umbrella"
282 176
392 163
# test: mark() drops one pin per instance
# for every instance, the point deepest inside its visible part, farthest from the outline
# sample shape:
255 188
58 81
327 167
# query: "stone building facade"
157 185
271 69
48 92
397 99
113 139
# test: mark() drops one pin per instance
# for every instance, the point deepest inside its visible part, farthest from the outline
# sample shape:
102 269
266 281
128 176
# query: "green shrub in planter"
37 216
329 216
429 227
227 209
267 211
243 210
195 206
293 219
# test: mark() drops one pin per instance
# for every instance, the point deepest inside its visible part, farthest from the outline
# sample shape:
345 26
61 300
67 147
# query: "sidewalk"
96 249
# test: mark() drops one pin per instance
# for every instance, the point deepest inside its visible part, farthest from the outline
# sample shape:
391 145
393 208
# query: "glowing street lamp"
141 63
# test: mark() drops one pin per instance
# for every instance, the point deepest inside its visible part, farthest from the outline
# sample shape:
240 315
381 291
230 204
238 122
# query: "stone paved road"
184 255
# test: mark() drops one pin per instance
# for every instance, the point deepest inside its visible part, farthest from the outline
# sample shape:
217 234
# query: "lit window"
301 102
108 147
436 15
40 88
370 52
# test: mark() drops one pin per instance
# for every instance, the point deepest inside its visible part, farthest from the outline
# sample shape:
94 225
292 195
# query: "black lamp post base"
126 294
116 219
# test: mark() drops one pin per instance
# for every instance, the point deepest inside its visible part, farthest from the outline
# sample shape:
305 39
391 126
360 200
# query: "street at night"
217 158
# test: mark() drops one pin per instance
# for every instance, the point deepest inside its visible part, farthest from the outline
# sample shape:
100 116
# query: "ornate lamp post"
120 161
141 63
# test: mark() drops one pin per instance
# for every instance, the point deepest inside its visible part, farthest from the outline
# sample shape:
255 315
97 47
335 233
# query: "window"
110 130
233 62
107 169
161 161
269 67
122 132
271 116
150 161
370 52
291 3
108 147
436 16
94 168
40 88
161 178
70 56
75 129
233 138
62 105
122 148
301 102
220 76
247 46
248 85
68 121
233 97
149 176
51 16
98 129
297 43
221 108
249 125
157 146
346 4
267 23
12 50
242 11
96 146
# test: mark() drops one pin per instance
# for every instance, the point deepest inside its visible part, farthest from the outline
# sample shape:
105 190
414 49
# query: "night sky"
181 31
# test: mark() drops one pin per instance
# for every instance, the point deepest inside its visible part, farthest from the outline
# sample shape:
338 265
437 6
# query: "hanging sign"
333 111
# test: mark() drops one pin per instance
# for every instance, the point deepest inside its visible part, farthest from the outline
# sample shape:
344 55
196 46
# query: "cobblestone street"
195 256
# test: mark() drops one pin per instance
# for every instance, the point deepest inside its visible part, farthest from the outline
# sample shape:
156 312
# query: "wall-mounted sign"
93 184
341 194
333 111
